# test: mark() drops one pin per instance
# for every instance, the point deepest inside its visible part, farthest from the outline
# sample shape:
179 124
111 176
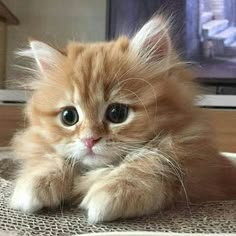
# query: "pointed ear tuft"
153 41
45 56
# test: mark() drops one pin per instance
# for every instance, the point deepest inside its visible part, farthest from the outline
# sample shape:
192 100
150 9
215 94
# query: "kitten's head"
98 102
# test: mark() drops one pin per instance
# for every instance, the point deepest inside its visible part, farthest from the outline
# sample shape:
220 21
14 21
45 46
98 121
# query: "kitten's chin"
95 161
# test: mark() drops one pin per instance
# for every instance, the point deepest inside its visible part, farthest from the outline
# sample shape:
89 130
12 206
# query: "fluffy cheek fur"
103 154
117 140
67 142
111 149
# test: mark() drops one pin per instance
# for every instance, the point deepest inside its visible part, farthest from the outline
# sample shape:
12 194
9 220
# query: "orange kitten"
114 126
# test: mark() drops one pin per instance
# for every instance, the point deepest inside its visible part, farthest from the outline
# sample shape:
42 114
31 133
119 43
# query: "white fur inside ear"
45 56
152 38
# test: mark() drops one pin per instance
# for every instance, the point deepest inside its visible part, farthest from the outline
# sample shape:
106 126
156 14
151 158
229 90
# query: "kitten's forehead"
74 49
96 67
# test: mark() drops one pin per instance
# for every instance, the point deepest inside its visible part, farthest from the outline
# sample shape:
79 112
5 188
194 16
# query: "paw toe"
99 207
25 201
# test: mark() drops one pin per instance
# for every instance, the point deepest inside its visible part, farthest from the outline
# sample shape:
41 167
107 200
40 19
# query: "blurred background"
204 31
54 21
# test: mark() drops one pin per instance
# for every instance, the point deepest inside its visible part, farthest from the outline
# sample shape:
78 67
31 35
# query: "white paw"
100 206
24 199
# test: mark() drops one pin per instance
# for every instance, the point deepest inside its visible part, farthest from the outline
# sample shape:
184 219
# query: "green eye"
117 113
69 116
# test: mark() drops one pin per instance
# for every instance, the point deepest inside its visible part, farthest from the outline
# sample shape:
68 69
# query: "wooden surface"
11 119
7 15
223 121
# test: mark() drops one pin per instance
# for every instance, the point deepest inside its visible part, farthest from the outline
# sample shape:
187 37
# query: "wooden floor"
223 121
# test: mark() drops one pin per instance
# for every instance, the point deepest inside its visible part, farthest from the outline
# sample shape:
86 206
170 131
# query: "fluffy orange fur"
163 153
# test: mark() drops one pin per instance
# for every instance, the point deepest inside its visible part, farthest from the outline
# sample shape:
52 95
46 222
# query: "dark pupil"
70 116
117 113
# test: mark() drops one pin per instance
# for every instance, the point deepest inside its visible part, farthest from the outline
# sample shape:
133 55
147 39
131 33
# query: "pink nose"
90 142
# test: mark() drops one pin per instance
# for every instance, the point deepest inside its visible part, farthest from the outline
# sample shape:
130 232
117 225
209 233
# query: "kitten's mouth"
92 154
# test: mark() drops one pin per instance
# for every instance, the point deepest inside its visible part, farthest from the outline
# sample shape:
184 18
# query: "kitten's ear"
153 41
46 57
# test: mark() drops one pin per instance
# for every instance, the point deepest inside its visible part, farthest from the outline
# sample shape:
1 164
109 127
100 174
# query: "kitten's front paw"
112 200
100 206
34 193
24 199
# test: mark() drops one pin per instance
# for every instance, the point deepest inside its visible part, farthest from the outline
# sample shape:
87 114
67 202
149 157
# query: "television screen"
217 35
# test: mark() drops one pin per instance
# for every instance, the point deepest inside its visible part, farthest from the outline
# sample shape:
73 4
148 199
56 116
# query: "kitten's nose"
90 142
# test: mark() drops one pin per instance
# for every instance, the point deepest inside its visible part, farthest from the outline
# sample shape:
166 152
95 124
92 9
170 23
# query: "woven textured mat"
217 217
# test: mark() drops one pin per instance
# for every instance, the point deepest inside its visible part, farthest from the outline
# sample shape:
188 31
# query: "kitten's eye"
117 112
69 116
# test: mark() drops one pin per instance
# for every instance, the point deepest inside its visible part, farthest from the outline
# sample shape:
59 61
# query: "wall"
53 21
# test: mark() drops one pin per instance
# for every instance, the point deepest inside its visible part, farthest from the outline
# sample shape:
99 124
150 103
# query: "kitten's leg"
82 183
44 180
41 185
134 188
